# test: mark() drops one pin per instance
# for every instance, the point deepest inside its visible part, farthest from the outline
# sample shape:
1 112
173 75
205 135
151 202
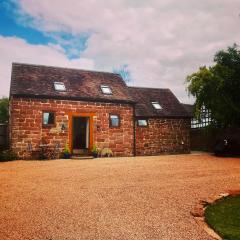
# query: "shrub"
95 151
66 149
8 155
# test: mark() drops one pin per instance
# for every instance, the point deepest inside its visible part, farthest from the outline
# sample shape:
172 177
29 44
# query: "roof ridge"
64 68
27 79
187 104
139 87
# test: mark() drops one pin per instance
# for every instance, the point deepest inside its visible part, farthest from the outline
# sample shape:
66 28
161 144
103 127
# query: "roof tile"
37 80
144 97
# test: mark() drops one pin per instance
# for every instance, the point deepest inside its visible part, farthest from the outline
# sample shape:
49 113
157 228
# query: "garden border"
199 210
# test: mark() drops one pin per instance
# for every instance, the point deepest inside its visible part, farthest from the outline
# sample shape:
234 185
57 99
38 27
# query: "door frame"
71 115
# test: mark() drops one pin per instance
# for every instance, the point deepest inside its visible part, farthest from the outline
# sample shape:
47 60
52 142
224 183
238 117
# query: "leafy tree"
124 72
4 115
218 87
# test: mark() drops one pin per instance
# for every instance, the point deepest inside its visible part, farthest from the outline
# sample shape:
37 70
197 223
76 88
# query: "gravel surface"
115 198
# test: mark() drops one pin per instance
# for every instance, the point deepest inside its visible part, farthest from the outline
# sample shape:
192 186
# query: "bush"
66 149
8 155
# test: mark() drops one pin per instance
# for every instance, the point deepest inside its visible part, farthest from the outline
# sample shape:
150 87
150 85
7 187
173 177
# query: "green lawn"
224 217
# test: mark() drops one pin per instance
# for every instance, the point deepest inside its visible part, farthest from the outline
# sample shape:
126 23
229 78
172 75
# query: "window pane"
142 122
48 118
59 86
45 118
156 105
114 120
106 89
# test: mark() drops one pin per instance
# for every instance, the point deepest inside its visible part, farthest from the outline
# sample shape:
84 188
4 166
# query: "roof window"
59 86
156 105
106 89
142 122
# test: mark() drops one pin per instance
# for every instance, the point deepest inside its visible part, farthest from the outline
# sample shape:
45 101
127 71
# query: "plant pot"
95 155
66 155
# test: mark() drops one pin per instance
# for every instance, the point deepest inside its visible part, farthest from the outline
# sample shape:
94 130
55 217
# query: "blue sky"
158 43
10 26
15 24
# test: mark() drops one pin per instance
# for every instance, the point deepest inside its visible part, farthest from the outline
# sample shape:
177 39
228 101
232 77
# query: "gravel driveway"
116 198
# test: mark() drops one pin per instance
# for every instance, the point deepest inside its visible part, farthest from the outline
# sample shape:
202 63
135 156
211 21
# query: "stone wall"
163 136
26 124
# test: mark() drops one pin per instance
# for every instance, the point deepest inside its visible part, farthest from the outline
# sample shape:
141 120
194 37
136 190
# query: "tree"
124 72
218 87
4 114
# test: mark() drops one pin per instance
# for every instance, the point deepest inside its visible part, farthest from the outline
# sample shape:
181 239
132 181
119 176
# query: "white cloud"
161 41
14 49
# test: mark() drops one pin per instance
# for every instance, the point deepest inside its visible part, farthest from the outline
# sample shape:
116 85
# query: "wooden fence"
203 140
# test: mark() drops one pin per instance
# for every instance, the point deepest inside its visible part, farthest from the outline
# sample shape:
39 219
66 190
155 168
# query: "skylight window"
106 89
142 122
156 105
59 86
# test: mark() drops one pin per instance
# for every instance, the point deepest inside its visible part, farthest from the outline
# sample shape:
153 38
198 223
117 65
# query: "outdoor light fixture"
63 127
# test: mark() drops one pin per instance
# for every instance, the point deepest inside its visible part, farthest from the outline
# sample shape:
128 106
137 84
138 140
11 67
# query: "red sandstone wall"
163 136
26 124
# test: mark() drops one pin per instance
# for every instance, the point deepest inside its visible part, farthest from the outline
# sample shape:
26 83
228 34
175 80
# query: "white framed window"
156 105
114 120
142 122
106 89
48 118
59 86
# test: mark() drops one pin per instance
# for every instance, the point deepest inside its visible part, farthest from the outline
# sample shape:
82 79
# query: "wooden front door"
80 133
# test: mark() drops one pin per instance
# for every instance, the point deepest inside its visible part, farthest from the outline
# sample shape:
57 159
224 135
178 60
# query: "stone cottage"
85 108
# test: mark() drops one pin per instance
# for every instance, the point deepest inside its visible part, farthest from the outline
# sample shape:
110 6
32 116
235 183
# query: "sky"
158 42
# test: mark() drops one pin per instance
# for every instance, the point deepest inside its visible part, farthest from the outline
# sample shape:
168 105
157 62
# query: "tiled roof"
38 81
144 97
189 108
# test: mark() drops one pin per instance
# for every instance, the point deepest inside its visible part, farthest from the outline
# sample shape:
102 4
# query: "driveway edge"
199 210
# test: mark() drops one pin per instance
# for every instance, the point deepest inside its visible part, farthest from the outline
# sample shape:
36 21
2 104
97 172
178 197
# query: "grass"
224 217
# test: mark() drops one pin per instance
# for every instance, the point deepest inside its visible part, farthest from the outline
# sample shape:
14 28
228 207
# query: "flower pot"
66 155
95 155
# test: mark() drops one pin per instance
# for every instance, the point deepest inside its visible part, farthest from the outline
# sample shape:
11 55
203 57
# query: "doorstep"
81 157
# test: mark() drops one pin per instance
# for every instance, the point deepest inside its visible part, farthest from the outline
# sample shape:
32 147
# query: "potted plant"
95 151
66 152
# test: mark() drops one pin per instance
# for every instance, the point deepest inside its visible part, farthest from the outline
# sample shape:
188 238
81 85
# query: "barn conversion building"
86 108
